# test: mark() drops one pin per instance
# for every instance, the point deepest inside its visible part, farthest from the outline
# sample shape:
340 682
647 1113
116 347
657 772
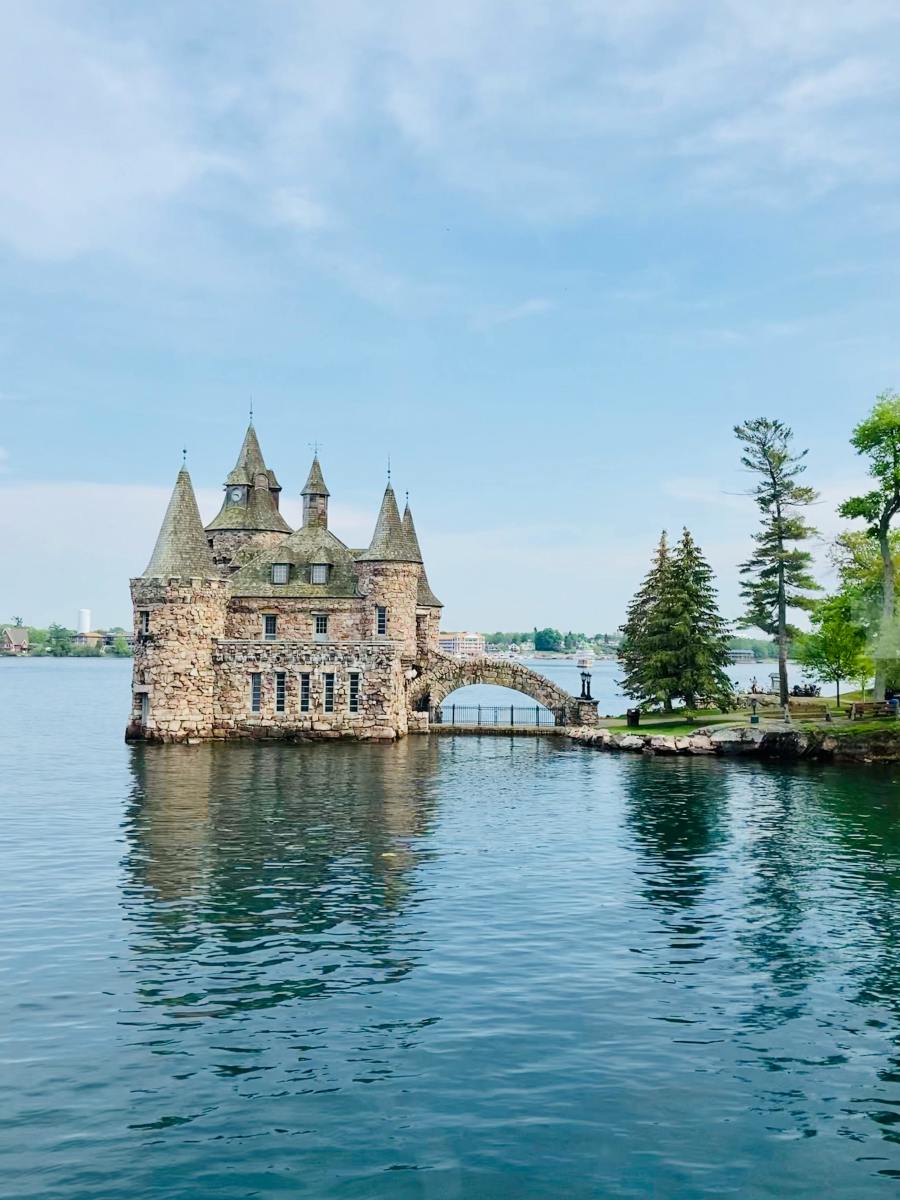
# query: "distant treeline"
550 639
760 647
59 642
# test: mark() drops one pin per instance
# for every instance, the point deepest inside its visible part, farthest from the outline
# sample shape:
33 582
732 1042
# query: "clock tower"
249 520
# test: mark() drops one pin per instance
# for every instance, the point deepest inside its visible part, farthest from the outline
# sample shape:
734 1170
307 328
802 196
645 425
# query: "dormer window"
281 572
318 573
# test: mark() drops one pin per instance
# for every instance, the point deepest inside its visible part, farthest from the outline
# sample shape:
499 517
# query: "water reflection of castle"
282 868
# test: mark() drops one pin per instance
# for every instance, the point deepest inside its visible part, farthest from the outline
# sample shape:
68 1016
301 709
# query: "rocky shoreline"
782 741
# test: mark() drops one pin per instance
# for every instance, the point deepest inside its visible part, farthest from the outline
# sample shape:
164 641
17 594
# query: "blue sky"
544 255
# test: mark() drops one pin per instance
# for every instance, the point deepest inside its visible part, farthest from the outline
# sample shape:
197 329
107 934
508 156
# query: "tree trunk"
782 639
838 682
886 631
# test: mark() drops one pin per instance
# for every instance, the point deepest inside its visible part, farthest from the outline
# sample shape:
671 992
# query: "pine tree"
642 649
776 575
675 643
697 634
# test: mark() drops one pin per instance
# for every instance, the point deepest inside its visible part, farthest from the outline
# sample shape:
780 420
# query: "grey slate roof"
250 462
315 483
181 548
425 597
309 544
389 542
260 512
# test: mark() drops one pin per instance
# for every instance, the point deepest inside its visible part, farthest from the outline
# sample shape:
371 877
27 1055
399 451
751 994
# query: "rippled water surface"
464 967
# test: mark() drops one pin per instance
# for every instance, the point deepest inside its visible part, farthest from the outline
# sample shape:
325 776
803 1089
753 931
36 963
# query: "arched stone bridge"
439 675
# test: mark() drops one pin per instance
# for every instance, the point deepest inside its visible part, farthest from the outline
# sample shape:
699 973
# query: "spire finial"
407 497
314 446
389 470
251 410
184 456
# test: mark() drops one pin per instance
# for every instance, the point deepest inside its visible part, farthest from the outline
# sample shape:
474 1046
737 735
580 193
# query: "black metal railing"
497 714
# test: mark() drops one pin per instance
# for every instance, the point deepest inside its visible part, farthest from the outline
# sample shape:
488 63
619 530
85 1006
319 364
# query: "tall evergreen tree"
697 634
675 643
777 574
644 680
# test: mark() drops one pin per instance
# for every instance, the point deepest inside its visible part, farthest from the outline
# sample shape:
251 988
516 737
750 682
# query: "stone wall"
173 662
348 620
428 631
393 584
382 708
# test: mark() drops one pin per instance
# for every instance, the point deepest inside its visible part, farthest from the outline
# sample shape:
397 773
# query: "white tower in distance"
84 620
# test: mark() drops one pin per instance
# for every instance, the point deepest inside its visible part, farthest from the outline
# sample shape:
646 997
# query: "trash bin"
633 718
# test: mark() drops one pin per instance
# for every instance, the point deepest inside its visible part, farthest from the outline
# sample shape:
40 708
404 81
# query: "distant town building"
89 639
14 639
741 656
462 645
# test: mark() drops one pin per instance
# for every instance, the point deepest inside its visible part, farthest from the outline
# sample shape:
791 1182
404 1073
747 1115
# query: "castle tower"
389 578
315 498
179 608
249 520
428 607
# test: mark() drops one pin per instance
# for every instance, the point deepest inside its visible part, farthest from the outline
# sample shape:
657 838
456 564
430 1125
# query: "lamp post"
586 686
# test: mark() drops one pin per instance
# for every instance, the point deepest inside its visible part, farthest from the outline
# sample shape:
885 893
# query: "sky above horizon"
542 255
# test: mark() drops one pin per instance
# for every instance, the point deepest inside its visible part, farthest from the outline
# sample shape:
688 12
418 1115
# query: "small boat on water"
585 659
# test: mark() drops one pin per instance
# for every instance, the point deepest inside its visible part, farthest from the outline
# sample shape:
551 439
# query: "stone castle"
249 629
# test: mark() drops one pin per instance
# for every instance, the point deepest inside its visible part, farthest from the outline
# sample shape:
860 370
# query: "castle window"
381 620
304 692
281 572
145 709
270 627
329 692
318 573
255 691
353 694
144 620
321 626
280 683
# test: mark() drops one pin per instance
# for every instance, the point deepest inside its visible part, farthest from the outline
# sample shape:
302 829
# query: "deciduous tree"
878 437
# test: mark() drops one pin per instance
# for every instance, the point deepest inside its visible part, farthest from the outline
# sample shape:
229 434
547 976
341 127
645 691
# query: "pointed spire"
315 482
425 597
389 543
315 498
181 549
251 493
409 532
250 462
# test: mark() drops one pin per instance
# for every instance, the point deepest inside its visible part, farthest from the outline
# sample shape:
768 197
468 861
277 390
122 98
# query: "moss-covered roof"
425 597
260 512
181 548
389 542
310 544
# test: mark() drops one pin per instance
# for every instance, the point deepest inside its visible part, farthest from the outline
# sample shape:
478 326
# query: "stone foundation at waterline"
784 742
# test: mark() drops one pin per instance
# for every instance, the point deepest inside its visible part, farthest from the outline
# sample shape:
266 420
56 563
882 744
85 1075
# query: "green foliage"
59 641
675 643
507 639
119 647
38 641
878 437
548 640
761 647
835 650
777 576
17 622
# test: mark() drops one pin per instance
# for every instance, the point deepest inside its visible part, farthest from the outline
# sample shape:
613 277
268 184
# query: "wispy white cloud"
535 307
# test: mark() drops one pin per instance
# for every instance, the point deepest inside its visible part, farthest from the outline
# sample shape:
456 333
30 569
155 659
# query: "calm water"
450 968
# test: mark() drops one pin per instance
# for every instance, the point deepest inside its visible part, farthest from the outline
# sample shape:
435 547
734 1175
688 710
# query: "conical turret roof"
425 597
260 511
389 542
315 483
181 549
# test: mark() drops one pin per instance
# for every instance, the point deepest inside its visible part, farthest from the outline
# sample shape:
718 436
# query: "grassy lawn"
675 724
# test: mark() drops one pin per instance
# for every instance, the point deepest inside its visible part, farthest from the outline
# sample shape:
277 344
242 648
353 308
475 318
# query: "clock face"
236 495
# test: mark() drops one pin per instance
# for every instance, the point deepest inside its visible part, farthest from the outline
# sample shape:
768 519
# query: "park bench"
860 709
809 710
